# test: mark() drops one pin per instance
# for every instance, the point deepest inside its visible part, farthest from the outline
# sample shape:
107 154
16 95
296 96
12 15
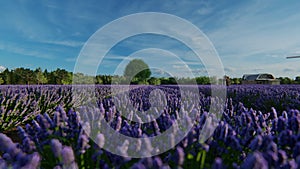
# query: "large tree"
137 70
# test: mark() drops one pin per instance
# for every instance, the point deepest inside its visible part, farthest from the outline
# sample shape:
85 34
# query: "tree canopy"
137 70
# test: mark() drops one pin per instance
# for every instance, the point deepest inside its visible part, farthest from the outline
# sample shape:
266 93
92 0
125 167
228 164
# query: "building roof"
260 76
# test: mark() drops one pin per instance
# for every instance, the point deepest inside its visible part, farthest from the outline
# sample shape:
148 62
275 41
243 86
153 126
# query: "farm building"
261 78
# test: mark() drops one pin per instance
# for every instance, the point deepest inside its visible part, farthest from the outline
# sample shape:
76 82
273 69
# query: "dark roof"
261 76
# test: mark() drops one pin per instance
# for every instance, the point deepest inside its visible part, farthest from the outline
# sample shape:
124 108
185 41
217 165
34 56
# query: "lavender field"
43 126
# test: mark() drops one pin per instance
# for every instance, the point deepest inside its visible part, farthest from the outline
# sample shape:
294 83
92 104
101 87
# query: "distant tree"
60 76
7 77
2 78
99 79
213 80
164 80
297 80
203 80
154 81
285 80
23 76
40 77
172 80
236 80
137 70
80 78
103 79
119 80
186 80
67 79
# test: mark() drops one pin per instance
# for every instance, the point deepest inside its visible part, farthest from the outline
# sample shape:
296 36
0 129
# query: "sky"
252 36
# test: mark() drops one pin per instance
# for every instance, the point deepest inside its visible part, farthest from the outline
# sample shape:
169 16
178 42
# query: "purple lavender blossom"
56 147
68 157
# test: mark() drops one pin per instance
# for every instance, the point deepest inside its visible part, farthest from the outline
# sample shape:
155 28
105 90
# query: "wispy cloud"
68 43
17 49
251 34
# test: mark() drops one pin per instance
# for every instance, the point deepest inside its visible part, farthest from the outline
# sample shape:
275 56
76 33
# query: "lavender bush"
19 104
248 136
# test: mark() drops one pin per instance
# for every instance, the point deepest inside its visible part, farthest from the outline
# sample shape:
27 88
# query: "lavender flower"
138 166
68 158
255 161
217 164
100 140
56 147
179 156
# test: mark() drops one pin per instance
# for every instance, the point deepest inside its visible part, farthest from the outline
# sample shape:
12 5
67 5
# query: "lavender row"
244 138
20 104
264 97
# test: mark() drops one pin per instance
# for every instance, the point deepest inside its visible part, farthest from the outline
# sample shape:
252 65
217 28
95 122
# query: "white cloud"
69 43
181 66
117 57
2 68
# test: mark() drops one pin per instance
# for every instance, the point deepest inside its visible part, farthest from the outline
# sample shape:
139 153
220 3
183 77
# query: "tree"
8 77
60 76
138 71
23 76
172 80
285 80
40 77
80 78
67 79
236 80
154 81
1 81
202 80
297 80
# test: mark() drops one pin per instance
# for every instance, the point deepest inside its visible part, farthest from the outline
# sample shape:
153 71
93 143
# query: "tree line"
25 76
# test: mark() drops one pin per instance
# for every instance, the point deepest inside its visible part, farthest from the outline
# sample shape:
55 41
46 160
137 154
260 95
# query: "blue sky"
249 36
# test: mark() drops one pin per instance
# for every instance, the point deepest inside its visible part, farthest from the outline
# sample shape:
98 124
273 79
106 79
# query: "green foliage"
154 81
21 108
172 80
61 76
80 78
297 80
236 81
40 77
138 70
23 76
202 80
103 79
285 80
